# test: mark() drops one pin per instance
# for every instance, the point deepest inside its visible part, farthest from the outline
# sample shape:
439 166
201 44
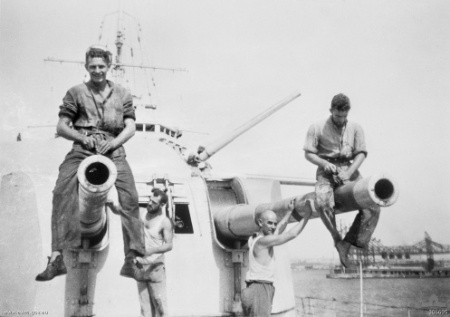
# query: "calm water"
382 297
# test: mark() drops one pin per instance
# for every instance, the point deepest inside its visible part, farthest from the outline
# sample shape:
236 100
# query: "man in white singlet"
152 274
257 297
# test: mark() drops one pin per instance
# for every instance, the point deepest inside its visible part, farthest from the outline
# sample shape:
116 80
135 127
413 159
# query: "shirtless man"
258 296
152 274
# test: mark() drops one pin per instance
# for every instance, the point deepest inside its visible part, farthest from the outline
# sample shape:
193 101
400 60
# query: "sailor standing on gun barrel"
103 119
338 148
257 298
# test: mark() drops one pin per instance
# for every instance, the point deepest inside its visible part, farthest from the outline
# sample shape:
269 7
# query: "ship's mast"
118 66
119 70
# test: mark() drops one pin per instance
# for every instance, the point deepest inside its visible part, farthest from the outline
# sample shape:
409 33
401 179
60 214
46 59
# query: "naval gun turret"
236 203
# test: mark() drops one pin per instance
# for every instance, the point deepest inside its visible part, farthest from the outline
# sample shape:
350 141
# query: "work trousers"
66 231
152 293
257 299
365 221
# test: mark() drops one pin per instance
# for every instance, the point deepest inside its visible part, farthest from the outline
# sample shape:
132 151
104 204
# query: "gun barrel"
96 175
239 221
224 140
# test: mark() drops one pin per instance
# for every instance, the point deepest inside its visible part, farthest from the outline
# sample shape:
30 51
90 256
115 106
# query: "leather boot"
53 269
129 269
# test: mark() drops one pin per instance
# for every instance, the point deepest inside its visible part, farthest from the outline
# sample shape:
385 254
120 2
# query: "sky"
392 58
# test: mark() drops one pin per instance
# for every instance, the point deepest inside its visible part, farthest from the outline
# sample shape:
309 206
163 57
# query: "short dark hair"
99 52
340 101
160 193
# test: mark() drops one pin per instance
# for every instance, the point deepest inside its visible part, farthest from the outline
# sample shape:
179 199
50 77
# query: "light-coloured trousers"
257 299
152 294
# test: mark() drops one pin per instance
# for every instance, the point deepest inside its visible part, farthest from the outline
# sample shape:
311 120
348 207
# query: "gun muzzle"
96 175
377 190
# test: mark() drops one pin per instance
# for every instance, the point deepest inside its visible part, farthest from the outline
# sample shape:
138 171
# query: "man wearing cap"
103 119
338 148
257 297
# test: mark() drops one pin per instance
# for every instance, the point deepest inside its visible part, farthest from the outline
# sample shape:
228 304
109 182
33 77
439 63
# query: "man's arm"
344 176
311 148
316 160
64 130
126 134
274 240
284 221
359 147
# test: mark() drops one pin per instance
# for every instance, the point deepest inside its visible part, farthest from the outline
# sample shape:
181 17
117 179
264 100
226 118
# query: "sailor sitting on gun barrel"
338 148
103 119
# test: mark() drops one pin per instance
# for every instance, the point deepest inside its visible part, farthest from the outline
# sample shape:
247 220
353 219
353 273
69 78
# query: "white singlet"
258 271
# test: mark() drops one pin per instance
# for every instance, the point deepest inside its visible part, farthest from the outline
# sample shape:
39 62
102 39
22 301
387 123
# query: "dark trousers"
365 221
66 231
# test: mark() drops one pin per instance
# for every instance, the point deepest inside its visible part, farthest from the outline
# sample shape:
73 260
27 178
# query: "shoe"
53 269
129 269
343 247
